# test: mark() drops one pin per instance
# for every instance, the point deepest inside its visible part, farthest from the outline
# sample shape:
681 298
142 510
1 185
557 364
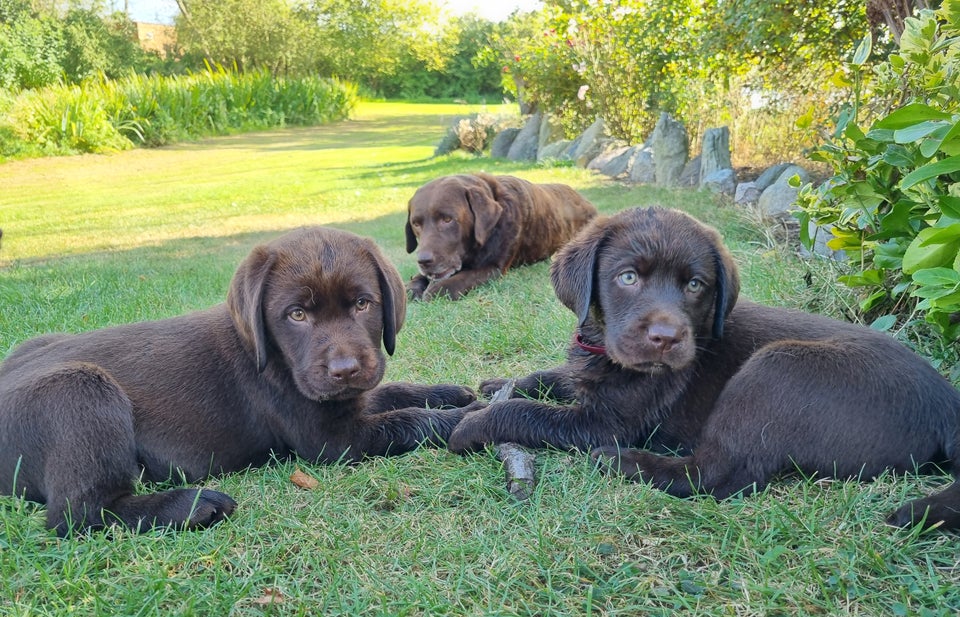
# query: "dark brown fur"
742 392
287 366
468 229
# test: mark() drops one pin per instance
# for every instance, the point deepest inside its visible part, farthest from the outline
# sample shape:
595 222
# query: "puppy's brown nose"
343 368
663 336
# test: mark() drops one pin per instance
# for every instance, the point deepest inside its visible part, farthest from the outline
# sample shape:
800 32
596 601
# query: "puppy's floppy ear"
727 286
574 268
408 228
245 300
393 297
482 198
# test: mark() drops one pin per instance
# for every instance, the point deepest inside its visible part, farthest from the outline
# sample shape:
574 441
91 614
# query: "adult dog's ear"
245 301
482 199
393 297
408 229
727 286
574 268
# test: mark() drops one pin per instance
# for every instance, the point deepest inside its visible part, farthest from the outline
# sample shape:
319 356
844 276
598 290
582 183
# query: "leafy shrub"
893 201
104 115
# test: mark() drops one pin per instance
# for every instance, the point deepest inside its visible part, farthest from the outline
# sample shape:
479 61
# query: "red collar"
598 350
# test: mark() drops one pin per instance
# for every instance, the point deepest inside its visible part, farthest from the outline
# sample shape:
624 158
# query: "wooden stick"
518 462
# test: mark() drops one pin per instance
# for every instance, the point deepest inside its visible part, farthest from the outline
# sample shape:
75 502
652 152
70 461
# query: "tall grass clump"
104 115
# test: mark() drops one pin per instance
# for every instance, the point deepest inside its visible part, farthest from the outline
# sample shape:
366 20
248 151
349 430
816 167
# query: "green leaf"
931 170
942 235
863 50
921 255
915 132
883 324
872 300
937 277
950 13
881 135
898 156
950 206
909 115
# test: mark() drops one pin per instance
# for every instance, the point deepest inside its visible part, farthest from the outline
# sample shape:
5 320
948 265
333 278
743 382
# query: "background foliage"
106 115
893 202
777 73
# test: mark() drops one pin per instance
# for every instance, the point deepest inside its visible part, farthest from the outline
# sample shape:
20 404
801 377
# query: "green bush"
105 115
893 201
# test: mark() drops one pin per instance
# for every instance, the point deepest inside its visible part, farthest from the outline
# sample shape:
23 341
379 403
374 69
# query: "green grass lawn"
97 240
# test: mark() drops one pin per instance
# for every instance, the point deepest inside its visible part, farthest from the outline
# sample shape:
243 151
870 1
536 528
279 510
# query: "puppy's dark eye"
297 314
362 304
446 219
415 224
628 278
694 286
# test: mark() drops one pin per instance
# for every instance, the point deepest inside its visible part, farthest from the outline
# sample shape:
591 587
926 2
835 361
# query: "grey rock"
597 148
643 169
554 151
670 147
614 162
586 142
770 175
777 200
502 141
550 131
746 194
524 146
715 153
690 176
720 182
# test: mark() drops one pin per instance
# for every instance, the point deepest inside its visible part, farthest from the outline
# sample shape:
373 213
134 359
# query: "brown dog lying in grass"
288 366
468 229
668 360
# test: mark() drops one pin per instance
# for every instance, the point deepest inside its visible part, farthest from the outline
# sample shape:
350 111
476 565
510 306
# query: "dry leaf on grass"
304 481
270 596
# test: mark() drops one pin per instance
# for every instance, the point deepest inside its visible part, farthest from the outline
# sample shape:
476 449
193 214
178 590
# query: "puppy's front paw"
489 387
470 434
211 508
450 395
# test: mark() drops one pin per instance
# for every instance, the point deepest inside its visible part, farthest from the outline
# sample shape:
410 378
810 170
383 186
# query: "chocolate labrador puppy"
288 366
666 359
468 229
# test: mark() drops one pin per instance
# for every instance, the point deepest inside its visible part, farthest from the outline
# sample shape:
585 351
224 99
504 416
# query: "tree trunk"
891 13
185 11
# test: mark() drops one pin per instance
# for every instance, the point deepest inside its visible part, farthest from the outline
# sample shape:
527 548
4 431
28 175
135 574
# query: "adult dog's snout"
425 259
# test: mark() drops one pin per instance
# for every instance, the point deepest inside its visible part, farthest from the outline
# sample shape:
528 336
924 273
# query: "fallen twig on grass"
518 462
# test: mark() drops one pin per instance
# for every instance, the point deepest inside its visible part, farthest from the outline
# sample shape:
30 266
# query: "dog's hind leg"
78 455
681 476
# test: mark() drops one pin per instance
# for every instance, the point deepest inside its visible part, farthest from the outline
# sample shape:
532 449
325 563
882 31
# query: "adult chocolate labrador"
468 229
666 359
287 366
